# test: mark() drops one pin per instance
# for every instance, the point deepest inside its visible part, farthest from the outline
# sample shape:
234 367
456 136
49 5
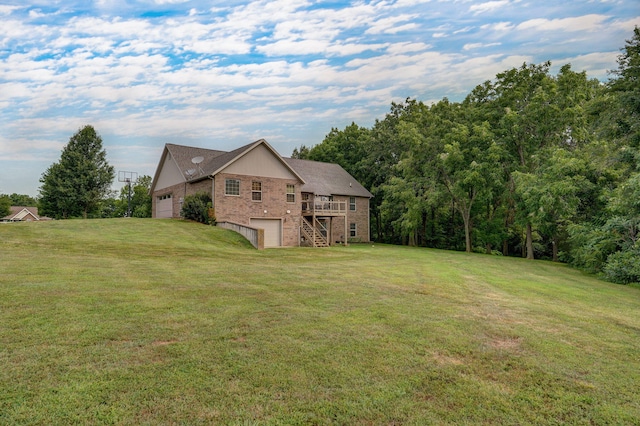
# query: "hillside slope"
152 321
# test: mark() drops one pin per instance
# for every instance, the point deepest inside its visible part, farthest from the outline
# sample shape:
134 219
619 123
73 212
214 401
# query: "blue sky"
220 74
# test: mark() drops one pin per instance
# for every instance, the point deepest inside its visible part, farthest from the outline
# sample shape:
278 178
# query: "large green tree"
626 86
470 165
412 193
5 205
76 185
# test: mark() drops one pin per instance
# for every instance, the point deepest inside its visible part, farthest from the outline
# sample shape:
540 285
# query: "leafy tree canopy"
76 185
535 162
5 205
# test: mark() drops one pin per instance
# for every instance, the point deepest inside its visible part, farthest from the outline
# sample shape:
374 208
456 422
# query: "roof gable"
19 213
255 159
177 164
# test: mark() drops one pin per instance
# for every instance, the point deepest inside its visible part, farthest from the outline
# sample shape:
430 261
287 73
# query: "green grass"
165 322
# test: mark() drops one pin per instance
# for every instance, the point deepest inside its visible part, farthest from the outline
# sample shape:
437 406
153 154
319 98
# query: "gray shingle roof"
327 179
183 156
320 178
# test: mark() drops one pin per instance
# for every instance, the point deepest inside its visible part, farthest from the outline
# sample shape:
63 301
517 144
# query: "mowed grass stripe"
149 321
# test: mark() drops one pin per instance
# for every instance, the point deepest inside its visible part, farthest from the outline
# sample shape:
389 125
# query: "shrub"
623 267
197 207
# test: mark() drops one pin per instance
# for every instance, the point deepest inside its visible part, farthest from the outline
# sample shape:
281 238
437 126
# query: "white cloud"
407 47
488 6
597 64
391 25
472 46
588 23
6 9
499 26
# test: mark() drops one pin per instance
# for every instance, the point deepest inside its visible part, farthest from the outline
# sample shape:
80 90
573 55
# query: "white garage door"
164 207
272 231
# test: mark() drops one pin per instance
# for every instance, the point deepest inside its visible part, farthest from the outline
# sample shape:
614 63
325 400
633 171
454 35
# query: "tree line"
529 164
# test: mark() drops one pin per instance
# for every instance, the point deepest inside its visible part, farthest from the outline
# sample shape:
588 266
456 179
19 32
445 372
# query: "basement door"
272 231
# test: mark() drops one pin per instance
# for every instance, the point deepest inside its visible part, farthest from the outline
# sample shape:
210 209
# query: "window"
291 193
352 204
256 191
164 197
353 230
231 187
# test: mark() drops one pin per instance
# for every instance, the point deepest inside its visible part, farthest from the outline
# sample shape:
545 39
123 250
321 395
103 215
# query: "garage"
164 206
272 231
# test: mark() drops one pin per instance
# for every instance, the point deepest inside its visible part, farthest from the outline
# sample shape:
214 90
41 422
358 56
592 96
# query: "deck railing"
324 207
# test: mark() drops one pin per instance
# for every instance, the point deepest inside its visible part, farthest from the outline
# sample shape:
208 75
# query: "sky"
221 74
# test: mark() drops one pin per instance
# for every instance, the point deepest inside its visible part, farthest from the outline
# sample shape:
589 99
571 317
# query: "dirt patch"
443 359
506 343
163 342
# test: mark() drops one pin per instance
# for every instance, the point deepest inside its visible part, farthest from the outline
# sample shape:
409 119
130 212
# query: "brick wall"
241 208
360 217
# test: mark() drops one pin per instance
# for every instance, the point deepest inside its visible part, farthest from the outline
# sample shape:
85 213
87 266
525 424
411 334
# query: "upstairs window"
256 191
231 187
352 204
291 193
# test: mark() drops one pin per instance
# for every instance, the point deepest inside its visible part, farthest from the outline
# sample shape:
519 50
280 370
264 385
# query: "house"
254 190
22 214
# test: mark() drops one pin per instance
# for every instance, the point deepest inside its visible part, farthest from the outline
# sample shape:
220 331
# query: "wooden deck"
324 208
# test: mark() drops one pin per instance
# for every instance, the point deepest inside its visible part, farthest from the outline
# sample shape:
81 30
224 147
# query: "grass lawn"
135 321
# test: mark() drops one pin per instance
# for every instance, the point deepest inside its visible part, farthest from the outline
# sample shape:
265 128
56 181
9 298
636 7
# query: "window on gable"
352 204
353 230
256 191
231 187
291 193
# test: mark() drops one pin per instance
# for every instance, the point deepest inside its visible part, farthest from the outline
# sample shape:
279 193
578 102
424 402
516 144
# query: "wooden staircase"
313 234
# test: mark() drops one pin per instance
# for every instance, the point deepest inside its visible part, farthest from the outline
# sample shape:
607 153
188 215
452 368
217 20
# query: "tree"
470 164
551 193
626 87
22 200
302 153
5 205
383 149
76 185
140 198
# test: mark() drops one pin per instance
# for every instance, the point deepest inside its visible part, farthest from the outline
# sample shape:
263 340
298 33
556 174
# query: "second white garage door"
272 231
164 207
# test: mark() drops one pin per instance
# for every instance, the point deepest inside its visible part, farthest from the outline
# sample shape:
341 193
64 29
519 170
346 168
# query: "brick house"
255 191
23 214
